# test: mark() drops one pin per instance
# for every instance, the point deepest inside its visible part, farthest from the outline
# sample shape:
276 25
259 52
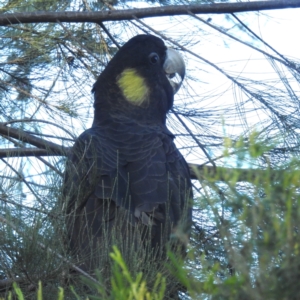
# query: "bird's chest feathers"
133 87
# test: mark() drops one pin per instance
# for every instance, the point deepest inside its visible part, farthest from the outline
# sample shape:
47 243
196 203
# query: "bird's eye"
153 58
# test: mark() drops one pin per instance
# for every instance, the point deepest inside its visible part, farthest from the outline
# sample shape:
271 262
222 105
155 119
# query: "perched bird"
125 182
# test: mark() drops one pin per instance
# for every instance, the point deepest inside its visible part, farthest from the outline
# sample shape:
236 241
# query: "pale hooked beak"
174 68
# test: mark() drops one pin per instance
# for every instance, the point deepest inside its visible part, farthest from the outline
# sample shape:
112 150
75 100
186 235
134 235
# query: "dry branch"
20 135
46 148
31 152
129 14
231 174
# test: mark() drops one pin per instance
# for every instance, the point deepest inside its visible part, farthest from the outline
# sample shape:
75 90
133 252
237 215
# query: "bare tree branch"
46 148
197 171
231 174
117 15
39 121
28 152
20 135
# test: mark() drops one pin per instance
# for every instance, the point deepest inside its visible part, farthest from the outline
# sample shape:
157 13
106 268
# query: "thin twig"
29 208
283 61
109 35
22 178
194 138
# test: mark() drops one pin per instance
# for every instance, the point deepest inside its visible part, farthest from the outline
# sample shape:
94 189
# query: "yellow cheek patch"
133 87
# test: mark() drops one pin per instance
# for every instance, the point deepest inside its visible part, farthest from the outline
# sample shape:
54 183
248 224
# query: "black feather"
126 172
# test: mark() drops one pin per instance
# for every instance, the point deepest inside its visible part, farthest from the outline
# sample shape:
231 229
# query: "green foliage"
124 285
251 252
256 214
245 243
133 288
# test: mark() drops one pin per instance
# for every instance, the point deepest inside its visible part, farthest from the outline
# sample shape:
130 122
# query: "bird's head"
141 78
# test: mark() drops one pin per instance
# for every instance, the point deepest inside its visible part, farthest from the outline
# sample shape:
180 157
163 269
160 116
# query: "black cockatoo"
126 183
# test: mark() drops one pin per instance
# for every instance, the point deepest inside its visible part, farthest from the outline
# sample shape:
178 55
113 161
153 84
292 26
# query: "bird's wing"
138 169
160 187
